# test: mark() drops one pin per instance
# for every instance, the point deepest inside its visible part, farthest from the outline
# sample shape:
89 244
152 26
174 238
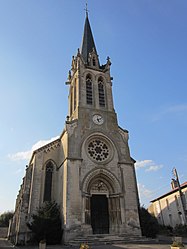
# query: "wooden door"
99 214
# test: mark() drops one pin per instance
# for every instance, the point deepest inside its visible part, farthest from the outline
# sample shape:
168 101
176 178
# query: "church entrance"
99 214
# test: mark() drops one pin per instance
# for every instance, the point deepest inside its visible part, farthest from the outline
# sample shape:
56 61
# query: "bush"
165 230
5 217
46 224
180 230
148 223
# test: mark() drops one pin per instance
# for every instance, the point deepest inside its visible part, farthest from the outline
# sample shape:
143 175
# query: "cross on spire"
86 9
88 45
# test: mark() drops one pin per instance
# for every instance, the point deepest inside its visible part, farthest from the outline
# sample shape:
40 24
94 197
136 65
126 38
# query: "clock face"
98 119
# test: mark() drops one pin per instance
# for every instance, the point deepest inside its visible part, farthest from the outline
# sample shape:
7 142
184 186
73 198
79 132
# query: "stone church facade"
88 171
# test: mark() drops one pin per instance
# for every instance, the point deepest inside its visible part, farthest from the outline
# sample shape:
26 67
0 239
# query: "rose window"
98 150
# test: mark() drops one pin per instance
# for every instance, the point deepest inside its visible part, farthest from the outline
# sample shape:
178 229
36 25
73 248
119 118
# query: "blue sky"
146 41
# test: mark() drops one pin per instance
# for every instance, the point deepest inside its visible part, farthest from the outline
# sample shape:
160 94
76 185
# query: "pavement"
5 244
126 246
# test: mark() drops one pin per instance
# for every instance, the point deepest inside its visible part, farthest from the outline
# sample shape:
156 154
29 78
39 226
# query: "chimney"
174 184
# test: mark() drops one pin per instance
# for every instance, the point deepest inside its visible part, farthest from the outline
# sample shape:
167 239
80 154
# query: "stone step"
107 239
93 236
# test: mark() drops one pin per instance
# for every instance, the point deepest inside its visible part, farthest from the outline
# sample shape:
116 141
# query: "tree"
149 223
46 224
5 217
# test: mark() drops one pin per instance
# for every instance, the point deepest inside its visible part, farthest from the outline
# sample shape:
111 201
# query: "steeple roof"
87 42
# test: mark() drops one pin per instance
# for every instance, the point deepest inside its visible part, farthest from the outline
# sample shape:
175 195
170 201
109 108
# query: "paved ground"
128 246
4 244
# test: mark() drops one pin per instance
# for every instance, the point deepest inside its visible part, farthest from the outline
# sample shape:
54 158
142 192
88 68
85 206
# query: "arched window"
71 101
48 181
101 92
89 90
94 61
75 94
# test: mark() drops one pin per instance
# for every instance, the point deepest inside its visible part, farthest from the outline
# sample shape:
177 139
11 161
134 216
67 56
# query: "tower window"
89 90
71 101
48 181
94 61
75 95
101 92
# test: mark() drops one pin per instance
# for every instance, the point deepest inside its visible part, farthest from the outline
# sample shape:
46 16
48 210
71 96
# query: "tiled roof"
183 185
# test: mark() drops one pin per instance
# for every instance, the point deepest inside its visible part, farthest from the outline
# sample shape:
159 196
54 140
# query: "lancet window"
94 61
48 181
71 101
101 92
89 95
75 94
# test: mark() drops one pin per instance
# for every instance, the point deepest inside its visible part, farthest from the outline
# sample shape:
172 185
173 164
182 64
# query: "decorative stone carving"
99 186
71 127
102 175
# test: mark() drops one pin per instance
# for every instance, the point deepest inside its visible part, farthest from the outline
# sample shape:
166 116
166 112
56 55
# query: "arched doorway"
99 208
102 202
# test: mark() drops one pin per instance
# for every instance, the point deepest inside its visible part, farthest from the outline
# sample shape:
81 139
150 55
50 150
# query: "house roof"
183 185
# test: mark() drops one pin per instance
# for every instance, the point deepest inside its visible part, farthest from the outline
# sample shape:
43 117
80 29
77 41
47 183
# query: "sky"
146 42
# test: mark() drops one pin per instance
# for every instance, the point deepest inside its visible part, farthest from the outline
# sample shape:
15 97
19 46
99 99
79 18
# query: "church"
88 170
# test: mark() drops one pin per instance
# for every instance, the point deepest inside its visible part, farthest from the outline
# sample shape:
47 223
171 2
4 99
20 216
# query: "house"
170 209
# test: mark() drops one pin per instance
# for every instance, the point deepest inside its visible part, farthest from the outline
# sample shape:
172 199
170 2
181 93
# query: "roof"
183 185
88 41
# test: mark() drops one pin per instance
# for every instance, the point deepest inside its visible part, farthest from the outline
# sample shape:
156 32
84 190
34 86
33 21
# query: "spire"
88 44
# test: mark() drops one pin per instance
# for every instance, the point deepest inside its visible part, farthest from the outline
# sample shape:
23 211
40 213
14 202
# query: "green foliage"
149 223
5 217
46 224
180 230
165 230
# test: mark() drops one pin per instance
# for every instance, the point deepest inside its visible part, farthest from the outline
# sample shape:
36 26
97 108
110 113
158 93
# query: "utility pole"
182 198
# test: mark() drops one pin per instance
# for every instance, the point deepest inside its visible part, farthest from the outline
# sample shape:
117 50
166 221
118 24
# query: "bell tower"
90 84
101 192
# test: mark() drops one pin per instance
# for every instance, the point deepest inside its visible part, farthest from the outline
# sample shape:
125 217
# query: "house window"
48 181
170 220
176 201
158 208
101 92
181 219
167 203
185 196
89 90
